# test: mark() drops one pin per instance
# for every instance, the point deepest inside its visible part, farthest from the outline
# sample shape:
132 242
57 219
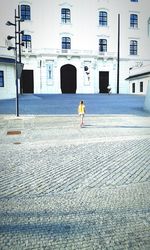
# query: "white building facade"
139 78
72 46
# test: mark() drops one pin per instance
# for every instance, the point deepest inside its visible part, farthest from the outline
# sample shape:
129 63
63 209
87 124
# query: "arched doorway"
68 79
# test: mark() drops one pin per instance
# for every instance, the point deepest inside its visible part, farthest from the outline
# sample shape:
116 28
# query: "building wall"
147 98
141 75
136 83
9 75
46 30
9 89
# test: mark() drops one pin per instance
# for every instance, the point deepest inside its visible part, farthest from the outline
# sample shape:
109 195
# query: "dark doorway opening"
68 79
26 81
103 81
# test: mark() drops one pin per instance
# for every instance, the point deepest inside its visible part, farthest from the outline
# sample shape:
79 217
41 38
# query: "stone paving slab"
66 187
58 129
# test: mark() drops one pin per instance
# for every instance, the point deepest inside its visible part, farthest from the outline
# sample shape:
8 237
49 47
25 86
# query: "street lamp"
18 66
20 33
10 23
9 38
118 55
10 48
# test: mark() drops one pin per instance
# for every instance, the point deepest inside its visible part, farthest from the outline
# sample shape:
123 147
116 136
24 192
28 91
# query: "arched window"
133 47
102 45
66 43
25 12
102 18
134 21
65 15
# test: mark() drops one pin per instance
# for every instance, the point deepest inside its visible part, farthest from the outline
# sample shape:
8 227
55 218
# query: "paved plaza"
70 188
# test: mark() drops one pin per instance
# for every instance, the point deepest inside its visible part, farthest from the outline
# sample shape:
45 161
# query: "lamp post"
118 54
17 65
19 41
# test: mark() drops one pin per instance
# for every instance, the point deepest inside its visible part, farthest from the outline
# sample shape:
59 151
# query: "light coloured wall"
46 30
137 86
9 89
137 70
147 98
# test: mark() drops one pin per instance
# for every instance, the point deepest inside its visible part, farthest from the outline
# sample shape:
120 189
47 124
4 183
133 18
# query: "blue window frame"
134 0
66 43
1 78
65 15
102 45
133 47
133 21
102 18
25 12
27 41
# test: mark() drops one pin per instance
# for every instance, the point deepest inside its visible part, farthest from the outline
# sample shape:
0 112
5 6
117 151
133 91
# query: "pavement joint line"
58 143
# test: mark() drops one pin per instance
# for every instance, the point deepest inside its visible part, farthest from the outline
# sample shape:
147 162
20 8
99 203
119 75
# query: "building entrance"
68 75
103 81
26 81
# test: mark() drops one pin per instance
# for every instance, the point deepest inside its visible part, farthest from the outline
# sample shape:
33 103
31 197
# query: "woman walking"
81 112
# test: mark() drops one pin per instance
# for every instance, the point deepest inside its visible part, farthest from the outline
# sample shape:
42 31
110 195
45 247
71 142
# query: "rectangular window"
65 15
103 18
25 12
141 86
134 0
1 78
66 43
27 41
102 45
133 47
134 21
133 87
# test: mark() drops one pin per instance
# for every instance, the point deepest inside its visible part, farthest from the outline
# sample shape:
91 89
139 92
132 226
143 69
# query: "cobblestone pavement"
66 187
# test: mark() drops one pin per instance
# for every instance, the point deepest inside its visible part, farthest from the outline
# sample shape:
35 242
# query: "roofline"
138 75
7 60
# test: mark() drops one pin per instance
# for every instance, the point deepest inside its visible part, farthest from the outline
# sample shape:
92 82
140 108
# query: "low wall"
147 98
